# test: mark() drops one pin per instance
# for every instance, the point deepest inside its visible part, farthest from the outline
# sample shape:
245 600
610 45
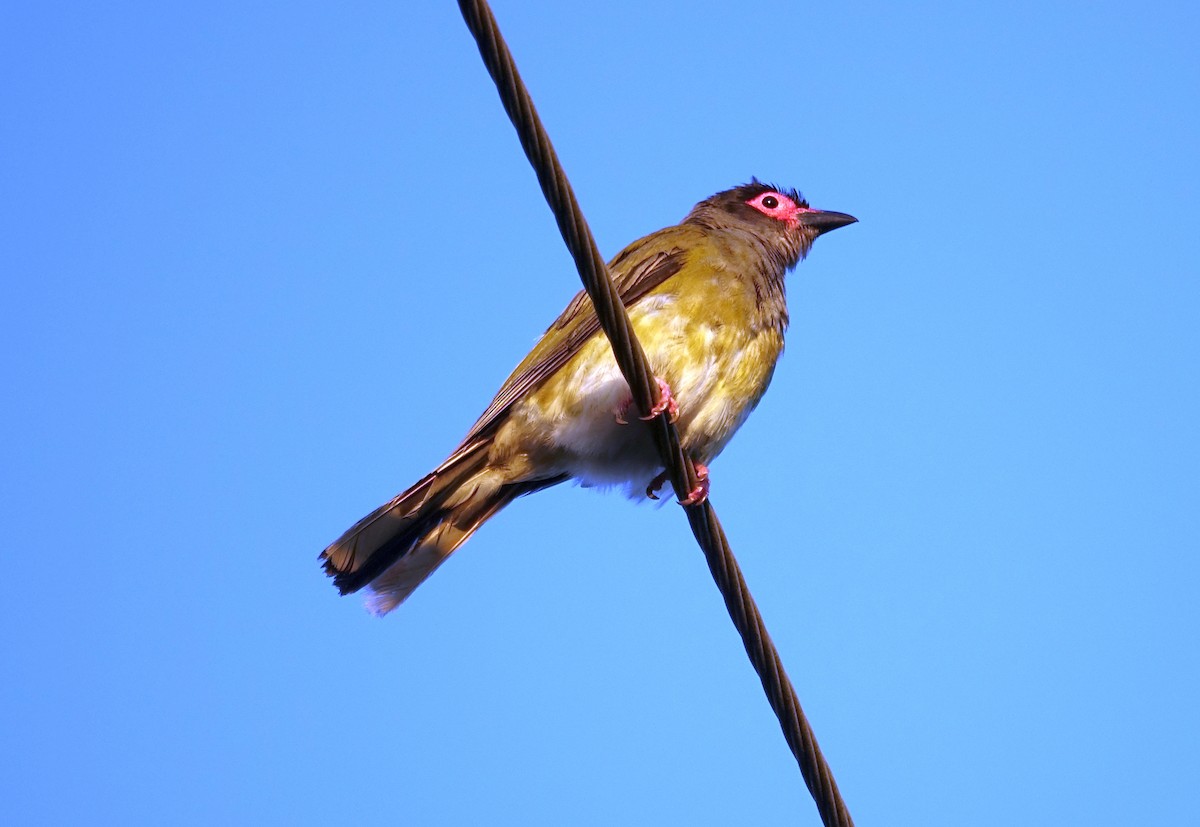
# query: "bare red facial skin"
784 209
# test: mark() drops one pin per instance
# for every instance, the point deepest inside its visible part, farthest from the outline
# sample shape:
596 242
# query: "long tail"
398 545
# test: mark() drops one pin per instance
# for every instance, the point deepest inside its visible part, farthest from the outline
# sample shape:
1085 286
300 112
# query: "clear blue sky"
264 264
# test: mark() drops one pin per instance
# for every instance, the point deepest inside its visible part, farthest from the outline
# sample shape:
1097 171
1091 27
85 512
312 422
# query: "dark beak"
822 221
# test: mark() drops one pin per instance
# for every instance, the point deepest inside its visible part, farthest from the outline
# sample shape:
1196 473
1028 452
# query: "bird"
706 299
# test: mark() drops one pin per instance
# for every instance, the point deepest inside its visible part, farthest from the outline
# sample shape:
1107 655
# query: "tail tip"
381 603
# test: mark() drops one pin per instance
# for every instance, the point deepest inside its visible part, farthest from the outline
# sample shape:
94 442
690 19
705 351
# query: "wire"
631 359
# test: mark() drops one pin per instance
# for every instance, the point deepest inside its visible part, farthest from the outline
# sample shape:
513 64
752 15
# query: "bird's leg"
697 495
666 402
700 493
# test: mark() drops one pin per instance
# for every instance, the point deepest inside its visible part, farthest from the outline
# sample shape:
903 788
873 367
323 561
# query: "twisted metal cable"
631 359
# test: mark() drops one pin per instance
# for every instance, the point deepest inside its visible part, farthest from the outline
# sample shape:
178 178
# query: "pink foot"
666 402
700 493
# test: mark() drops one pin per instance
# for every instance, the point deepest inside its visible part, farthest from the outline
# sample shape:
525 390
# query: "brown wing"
636 270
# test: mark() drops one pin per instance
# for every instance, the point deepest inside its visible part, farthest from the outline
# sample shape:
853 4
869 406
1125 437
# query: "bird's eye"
770 202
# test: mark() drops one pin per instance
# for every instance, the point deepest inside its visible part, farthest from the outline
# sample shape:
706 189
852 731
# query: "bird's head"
779 217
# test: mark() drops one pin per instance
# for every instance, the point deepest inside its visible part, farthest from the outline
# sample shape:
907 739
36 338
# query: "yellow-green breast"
712 331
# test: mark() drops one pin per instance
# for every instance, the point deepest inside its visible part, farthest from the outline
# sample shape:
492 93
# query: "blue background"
265 263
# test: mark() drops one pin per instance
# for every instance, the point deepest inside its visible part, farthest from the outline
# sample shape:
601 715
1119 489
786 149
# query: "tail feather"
398 545
453 528
376 541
